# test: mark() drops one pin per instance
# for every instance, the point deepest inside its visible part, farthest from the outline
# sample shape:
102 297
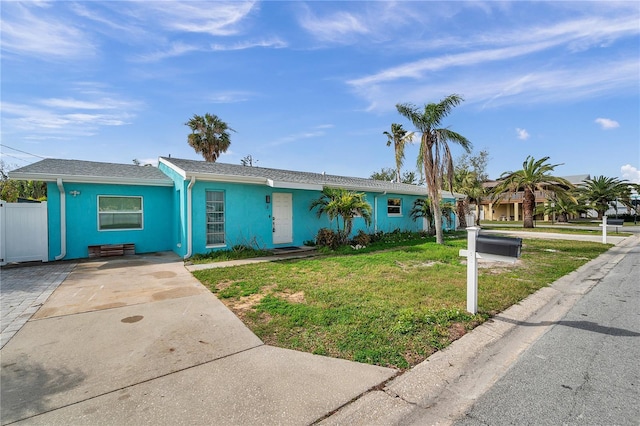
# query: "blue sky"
312 86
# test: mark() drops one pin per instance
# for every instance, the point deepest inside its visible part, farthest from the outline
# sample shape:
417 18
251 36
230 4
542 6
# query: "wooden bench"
108 250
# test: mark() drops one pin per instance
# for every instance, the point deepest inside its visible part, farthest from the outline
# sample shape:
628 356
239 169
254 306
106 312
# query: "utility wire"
4 154
24 152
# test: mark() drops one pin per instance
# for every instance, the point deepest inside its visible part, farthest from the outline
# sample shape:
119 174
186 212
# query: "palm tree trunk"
398 161
528 205
461 212
437 219
348 226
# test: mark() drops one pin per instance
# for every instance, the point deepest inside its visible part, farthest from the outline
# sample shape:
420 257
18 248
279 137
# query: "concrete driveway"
138 340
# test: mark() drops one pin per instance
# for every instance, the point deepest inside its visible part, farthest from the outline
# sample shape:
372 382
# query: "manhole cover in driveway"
129 320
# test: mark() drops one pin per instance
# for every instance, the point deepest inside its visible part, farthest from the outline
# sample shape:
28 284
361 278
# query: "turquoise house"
191 207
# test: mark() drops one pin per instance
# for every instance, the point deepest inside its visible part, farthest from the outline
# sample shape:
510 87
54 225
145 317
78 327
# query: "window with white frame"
394 206
119 212
215 218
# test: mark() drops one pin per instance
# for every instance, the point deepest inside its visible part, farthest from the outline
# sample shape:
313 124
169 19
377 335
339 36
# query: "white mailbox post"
472 269
609 222
497 249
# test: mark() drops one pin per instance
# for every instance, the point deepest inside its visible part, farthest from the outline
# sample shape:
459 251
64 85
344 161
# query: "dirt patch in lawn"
297 297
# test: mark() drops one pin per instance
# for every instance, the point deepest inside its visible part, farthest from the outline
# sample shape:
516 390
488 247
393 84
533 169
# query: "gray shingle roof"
577 179
51 169
206 170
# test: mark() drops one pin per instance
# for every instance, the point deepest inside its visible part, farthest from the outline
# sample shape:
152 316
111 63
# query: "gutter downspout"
189 219
375 211
63 221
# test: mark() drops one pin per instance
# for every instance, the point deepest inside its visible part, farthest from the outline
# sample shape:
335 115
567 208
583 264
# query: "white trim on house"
173 167
293 185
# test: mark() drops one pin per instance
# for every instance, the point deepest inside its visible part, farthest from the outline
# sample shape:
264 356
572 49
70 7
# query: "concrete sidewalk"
555 236
138 340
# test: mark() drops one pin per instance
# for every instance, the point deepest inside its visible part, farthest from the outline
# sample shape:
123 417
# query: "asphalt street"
584 370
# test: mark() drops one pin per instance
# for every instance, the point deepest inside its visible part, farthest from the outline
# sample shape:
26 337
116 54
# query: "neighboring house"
193 207
509 205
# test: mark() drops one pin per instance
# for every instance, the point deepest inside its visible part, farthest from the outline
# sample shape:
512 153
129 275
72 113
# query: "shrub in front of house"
362 239
328 238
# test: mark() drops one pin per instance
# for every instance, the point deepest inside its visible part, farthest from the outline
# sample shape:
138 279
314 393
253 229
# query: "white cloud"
417 69
93 104
275 43
630 173
607 123
41 36
214 18
314 132
229 97
515 44
336 27
436 74
507 86
149 161
179 49
52 118
522 134
171 51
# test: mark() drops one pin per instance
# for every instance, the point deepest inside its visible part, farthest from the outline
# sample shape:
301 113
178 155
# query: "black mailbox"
502 246
615 222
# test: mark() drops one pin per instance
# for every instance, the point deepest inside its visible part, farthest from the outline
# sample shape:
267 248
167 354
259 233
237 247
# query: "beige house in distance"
508 207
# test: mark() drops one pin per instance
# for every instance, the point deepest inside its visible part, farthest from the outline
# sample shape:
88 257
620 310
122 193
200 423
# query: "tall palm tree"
534 175
399 137
600 192
209 136
435 155
339 202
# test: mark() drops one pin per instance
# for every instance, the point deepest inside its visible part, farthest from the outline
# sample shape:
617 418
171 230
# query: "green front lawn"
391 307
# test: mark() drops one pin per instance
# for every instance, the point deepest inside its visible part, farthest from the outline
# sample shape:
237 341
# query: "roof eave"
90 179
411 191
294 185
226 178
173 167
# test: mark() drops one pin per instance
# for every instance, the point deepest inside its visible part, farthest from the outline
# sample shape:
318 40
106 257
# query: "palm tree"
600 192
209 136
399 137
338 202
562 207
466 182
474 194
422 209
435 155
535 175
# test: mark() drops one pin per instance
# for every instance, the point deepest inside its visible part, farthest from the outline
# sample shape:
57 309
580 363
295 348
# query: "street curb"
442 388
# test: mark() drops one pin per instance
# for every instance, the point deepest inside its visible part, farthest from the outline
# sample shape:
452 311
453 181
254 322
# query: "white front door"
282 218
